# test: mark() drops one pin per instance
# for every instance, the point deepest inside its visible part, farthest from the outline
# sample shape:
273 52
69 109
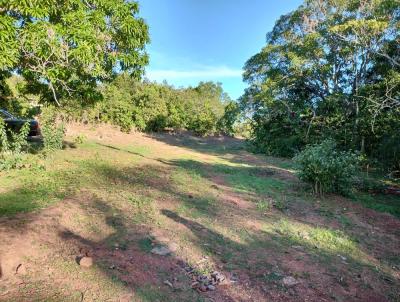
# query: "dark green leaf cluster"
64 48
326 168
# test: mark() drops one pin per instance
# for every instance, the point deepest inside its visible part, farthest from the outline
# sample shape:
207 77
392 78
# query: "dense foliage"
330 69
52 130
12 145
326 168
91 70
63 49
149 106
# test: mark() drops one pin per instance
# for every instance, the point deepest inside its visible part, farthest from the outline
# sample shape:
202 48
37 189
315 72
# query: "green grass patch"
380 202
327 241
246 183
263 206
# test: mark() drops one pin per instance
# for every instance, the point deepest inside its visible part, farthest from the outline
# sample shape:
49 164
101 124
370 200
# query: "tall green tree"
329 69
64 48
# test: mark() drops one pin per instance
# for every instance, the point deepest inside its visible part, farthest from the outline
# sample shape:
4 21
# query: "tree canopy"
64 48
329 69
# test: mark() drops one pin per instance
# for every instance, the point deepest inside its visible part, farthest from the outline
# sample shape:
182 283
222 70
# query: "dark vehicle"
15 124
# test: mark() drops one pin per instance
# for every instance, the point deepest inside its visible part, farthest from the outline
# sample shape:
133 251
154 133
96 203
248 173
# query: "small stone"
203 288
234 278
190 196
289 281
217 276
161 250
203 279
173 247
211 287
195 284
166 282
86 261
298 247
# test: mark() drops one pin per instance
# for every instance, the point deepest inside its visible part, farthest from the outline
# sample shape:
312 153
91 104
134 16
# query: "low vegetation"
12 147
327 169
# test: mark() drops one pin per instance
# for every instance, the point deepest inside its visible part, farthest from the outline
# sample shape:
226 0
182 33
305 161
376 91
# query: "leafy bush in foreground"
12 146
53 133
326 168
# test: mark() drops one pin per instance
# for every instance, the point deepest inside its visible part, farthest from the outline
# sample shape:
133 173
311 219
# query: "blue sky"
200 40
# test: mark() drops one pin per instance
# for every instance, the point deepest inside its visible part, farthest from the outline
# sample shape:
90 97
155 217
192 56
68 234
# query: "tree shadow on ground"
260 258
124 257
264 259
225 250
231 148
214 145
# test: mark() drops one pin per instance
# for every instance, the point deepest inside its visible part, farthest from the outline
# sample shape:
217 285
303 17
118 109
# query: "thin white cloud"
207 72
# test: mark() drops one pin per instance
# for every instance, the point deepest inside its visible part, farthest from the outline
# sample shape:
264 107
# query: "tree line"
149 106
91 70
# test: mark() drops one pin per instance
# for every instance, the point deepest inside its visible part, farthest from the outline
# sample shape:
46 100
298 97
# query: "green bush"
80 139
52 132
276 134
53 136
12 147
145 106
326 168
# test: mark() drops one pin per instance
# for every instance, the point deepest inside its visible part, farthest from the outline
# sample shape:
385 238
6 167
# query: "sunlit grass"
333 242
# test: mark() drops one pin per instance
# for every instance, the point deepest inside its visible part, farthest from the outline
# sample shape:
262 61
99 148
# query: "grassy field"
212 205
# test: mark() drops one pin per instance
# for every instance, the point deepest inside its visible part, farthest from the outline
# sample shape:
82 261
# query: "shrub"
52 132
276 134
118 113
116 107
52 136
12 145
326 168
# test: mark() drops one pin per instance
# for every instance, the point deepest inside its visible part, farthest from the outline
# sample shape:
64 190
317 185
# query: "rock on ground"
86 261
161 250
289 281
